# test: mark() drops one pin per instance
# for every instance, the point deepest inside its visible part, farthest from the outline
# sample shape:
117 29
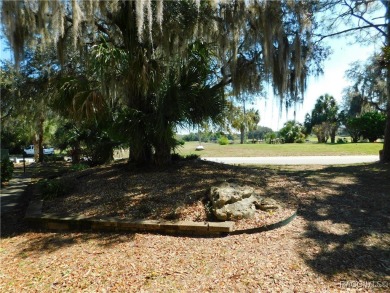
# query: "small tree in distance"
292 132
259 133
324 120
370 125
353 127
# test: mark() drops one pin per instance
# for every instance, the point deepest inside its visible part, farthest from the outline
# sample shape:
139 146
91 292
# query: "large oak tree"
242 45
369 22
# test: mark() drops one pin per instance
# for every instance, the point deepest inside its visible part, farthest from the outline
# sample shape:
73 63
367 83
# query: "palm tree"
242 120
79 97
325 115
152 36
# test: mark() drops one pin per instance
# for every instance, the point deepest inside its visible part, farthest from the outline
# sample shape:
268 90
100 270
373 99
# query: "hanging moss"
252 42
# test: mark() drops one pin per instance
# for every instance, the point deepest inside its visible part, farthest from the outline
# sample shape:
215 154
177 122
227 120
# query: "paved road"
303 160
11 193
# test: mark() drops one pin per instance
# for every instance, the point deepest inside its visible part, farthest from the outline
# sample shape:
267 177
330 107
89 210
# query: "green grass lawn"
272 150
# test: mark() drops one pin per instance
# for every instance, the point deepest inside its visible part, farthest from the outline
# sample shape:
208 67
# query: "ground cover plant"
340 237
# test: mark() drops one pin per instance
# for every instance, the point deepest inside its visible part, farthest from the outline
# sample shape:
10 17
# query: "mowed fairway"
275 150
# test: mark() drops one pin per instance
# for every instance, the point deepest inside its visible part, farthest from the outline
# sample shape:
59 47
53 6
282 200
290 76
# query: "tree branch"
350 30
364 19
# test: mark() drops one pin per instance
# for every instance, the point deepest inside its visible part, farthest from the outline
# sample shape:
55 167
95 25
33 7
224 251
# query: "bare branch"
364 19
350 30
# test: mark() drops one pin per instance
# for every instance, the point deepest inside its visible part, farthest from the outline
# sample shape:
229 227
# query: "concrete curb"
60 224
294 160
56 223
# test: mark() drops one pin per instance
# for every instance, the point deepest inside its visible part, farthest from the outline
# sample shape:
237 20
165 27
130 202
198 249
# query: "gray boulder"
231 201
267 204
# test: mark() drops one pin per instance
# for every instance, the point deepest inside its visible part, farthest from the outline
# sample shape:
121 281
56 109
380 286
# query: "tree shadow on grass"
347 209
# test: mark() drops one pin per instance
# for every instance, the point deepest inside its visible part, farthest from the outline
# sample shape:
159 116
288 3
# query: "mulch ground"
339 240
178 192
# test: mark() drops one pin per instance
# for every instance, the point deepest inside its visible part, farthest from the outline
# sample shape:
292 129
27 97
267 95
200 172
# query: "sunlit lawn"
271 150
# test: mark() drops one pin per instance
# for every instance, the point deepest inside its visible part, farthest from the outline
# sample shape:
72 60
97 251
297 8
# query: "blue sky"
5 53
332 82
345 50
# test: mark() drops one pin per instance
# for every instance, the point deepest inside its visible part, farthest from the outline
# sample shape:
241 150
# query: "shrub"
180 142
353 128
341 140
223 140
54 158
79 167
53 188
370 125
292 132
7 169
191 137
177 157
270 136
192 157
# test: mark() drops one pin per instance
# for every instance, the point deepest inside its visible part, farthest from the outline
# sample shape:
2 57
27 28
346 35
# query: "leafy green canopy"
324 120
240 29
161 63
292 132
368 90
370 125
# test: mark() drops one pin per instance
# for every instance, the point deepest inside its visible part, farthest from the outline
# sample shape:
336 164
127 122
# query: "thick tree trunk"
385 153
333 137
75 153
242 134
162 155
140 155
36 147
164 143
137 91
40 139
104 153
333 132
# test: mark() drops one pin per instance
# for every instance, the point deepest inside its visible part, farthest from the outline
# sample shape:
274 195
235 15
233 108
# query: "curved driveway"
301 160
